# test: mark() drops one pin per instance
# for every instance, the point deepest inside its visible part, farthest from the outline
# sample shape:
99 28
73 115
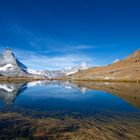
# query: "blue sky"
52 34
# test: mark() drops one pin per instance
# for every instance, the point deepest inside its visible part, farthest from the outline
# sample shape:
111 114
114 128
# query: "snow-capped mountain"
10 66
72 70
66 71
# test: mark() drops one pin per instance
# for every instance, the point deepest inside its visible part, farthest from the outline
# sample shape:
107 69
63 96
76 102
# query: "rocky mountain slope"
127 69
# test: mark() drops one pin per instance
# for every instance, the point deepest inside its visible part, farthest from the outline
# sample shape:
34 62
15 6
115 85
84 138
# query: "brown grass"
92 128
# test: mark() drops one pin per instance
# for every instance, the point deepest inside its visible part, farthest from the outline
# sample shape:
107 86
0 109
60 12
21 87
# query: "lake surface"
65 110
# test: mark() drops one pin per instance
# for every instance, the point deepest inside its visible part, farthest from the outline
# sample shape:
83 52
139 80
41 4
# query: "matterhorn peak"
7 57
8 51
10 66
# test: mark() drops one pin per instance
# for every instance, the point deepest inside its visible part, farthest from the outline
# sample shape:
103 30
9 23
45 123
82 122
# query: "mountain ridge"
127 69
10 66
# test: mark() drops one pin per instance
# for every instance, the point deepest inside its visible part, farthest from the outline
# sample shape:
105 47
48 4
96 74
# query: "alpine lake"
64 110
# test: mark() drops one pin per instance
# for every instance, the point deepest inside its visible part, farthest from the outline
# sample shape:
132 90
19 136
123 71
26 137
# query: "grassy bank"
30 79
19 79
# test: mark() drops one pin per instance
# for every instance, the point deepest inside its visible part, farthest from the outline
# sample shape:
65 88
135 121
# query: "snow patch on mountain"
31 71
7 66
72 70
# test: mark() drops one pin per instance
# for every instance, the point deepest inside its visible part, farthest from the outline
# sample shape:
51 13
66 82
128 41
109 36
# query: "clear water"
60 96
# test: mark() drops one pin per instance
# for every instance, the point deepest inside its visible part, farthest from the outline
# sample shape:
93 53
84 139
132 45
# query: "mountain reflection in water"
9 91
53 91
70 110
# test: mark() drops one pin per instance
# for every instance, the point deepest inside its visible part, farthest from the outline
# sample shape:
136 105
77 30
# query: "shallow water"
67 103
